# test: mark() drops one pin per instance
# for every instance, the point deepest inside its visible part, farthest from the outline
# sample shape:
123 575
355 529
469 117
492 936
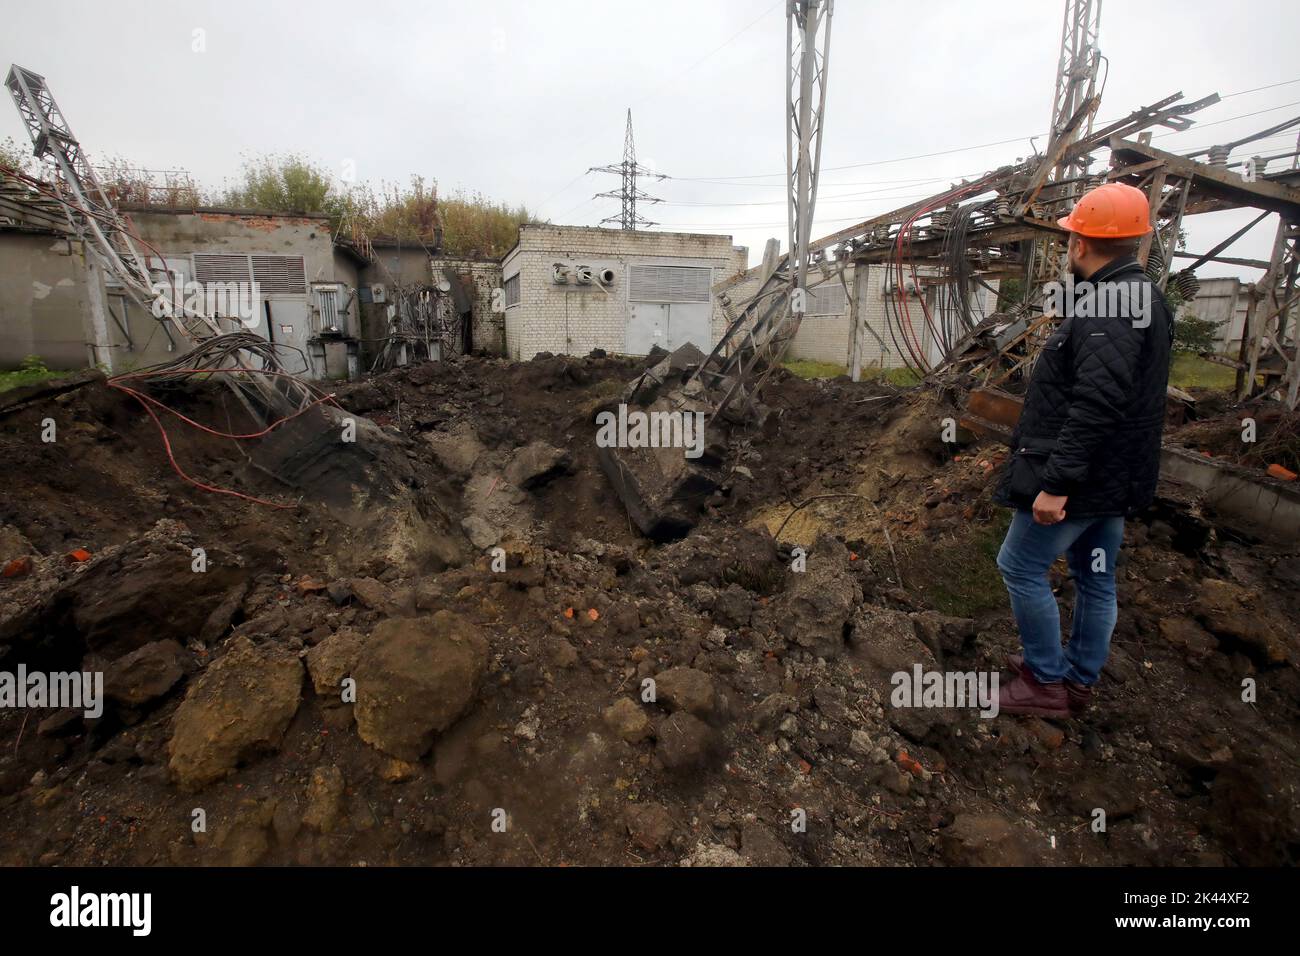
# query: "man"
1086 453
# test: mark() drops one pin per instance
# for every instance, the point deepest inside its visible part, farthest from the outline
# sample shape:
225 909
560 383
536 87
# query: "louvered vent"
279 275
827 300
670 284
220 268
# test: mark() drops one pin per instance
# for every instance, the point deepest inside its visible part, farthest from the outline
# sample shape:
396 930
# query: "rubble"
414 679
240 706
518 680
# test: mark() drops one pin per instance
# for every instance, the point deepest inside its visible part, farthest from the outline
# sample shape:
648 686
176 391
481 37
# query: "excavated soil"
500 715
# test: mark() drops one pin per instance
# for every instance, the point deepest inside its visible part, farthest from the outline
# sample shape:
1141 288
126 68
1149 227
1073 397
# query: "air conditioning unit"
378 293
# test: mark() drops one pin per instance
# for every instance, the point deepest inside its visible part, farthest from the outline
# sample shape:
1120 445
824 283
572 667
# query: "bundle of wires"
223 356
947 329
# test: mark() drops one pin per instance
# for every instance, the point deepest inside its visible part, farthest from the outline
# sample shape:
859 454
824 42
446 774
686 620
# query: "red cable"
147 400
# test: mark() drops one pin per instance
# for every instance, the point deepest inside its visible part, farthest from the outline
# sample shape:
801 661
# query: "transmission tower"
1078 65
629 195
1076 79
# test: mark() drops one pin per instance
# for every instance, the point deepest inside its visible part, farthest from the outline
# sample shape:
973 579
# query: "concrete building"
1223 300
330 305
56 303
571 289
46 291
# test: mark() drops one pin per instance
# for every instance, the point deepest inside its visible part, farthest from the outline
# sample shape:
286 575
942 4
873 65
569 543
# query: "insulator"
1187 285
1155 263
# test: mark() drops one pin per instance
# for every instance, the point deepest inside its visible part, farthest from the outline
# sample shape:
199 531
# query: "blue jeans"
1091 546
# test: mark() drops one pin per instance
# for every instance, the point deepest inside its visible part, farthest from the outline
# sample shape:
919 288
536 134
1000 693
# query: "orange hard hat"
1111 211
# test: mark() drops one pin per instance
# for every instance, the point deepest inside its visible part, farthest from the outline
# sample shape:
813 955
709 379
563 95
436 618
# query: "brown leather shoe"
1025 695
1079 696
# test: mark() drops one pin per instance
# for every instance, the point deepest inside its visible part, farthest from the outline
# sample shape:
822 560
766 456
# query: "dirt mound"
723 698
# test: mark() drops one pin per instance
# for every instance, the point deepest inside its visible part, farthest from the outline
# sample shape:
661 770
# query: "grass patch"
960 577
31 372
1192 371
806 368
901 377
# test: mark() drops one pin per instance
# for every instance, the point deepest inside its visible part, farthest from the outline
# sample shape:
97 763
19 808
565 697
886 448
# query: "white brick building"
823 335
571 289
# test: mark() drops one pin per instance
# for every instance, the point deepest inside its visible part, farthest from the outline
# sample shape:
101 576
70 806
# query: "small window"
512 290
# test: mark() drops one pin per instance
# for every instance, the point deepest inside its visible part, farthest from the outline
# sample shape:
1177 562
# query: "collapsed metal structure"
251 366
950 247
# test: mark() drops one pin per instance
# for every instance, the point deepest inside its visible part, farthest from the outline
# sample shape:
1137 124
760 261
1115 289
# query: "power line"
1002 142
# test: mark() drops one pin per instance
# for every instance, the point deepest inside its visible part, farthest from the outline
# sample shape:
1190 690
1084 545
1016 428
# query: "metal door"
689 322
647 327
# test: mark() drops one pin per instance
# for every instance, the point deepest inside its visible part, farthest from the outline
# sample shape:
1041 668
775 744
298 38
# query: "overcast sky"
517 98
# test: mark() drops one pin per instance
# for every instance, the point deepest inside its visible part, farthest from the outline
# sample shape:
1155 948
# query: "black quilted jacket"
1094 411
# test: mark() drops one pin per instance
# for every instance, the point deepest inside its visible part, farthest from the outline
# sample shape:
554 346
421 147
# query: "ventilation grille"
512 290
279 275
220 268
827 300
670 284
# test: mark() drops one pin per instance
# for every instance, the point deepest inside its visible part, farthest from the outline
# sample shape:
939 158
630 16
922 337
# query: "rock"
537 463
887 640
372 594
415 677
860 742
685 742
560 653
819 602
733 607
145 674
334 659
481 534
984 839
1188 636
714 854
688 689
244 841
1230 610
398 771
61 723
340 592
649 825
239 706
529 724
943 634
364 397
626 718
456 450
772 710
760 846
14 544
1049 735
324 799
830 701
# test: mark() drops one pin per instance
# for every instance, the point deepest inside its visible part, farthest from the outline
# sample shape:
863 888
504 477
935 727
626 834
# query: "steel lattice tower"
629 195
